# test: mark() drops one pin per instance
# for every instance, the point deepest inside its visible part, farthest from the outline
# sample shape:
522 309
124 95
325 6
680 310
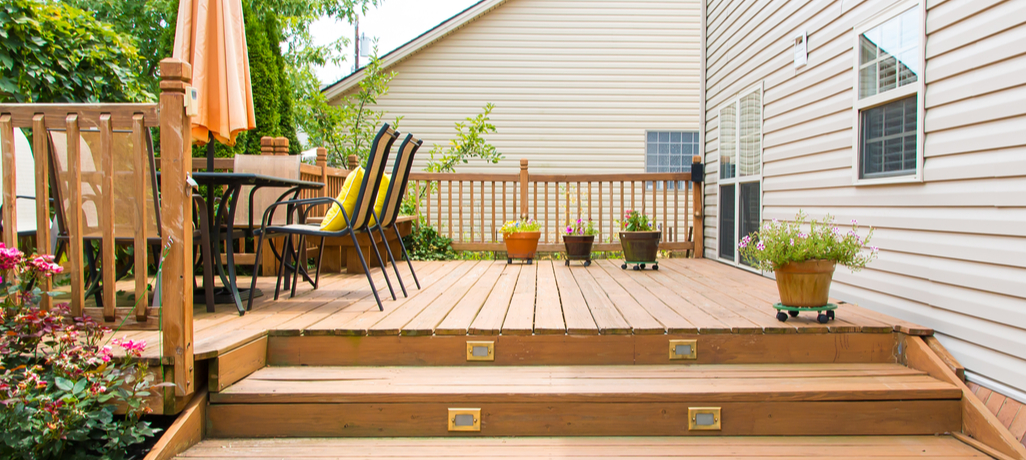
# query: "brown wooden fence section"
470 208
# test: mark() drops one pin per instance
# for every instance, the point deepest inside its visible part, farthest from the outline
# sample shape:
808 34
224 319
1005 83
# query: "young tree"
469 143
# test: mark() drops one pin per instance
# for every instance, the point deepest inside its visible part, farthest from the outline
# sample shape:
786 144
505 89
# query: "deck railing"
176 228
470 208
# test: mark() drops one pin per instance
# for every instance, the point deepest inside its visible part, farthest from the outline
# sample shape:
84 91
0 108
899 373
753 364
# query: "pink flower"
760 246
131 347
10 257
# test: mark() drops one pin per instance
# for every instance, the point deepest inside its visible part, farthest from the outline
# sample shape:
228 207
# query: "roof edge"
413 46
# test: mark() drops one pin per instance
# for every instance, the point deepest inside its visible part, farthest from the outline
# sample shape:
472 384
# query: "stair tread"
630 383
589 447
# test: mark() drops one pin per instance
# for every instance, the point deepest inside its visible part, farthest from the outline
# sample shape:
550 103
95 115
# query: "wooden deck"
835 447
458 298
491 298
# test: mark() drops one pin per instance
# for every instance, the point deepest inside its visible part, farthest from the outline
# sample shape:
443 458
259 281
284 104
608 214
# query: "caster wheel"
637 267
822 318
587 263
529 261
655 267
793 313
781 316
642 266
509 261
568 263
623 267
830 314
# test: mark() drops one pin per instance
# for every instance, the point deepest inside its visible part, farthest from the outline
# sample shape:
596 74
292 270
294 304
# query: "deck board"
812 447
685 296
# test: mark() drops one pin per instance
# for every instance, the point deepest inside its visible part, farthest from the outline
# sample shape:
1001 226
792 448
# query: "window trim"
737 180
918 89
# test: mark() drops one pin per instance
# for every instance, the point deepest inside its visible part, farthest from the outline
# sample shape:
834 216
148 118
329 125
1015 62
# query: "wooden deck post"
9 187
281 146
524 176
353 162
322 162
176 217
699 217
267 145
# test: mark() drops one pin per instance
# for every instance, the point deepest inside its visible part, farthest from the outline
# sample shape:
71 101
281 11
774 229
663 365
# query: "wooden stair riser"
581 349
573 419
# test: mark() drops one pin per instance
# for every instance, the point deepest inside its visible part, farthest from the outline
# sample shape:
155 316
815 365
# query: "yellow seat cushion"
334 220
379 202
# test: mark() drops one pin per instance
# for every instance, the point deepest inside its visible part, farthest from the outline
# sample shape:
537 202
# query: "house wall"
575 84
953 247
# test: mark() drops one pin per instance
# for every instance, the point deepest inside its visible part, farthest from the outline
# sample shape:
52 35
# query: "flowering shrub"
520 225
778 243
581 228
59 386
634 221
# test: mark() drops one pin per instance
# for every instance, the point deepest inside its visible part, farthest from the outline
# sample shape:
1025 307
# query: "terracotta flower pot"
578 247
640 246
805 284
521 245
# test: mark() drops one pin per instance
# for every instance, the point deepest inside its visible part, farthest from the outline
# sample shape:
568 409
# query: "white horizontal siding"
953 248
576 84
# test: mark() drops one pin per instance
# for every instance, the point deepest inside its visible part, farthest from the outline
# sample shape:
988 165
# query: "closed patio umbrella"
211 36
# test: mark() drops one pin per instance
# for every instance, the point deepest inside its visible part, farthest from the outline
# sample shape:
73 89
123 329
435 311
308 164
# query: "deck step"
837 447
781 399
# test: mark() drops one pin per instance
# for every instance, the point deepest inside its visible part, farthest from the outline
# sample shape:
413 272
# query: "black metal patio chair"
394 203
356 223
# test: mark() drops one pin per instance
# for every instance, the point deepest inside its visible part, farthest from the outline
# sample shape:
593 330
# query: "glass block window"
670 152
889 55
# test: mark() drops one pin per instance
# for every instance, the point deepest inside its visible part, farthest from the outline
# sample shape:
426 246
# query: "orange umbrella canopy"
211 36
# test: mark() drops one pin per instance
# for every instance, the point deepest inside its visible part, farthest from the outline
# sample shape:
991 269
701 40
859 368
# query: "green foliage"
634 221
581 228
469 143
424 243
520 225
779 243
59 387
349 127
53 52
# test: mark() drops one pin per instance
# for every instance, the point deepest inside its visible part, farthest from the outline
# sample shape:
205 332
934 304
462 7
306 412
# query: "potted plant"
579 238
521 237
639 239
803 256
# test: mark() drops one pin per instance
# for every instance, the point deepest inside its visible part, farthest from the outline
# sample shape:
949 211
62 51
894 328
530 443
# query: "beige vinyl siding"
576 84
953 247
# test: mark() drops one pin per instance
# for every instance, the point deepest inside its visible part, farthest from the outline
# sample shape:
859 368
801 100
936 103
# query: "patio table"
224 216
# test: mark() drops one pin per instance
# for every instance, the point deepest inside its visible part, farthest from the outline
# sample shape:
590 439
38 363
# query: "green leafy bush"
59 386
778 243
53 52
469 143
424 243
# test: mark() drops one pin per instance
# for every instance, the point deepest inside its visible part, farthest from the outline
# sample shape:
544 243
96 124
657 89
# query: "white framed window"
739 201
889 87
669 152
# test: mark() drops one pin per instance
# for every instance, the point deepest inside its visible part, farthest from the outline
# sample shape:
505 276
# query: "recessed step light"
683 349
480 351
704 419
464 419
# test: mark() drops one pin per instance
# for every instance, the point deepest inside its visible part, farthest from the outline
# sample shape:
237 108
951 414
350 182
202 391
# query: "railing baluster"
666 184
449 220
545 186
460 228
589 201
41 145
471 211
504 202
107 216
600 212
10 192
493 210
676 218
139 155
75 243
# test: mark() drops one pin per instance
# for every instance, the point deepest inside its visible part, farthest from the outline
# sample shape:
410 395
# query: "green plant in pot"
639 238
803 254
521 238
578 239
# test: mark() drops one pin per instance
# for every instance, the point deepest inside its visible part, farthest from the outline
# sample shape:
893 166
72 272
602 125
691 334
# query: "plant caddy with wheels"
803 255
521 238
639 240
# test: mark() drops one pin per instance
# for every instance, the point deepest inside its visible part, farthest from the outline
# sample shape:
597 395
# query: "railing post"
353 162
281 146
10 214
176 221
523 188
322 162
697 178
267 145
